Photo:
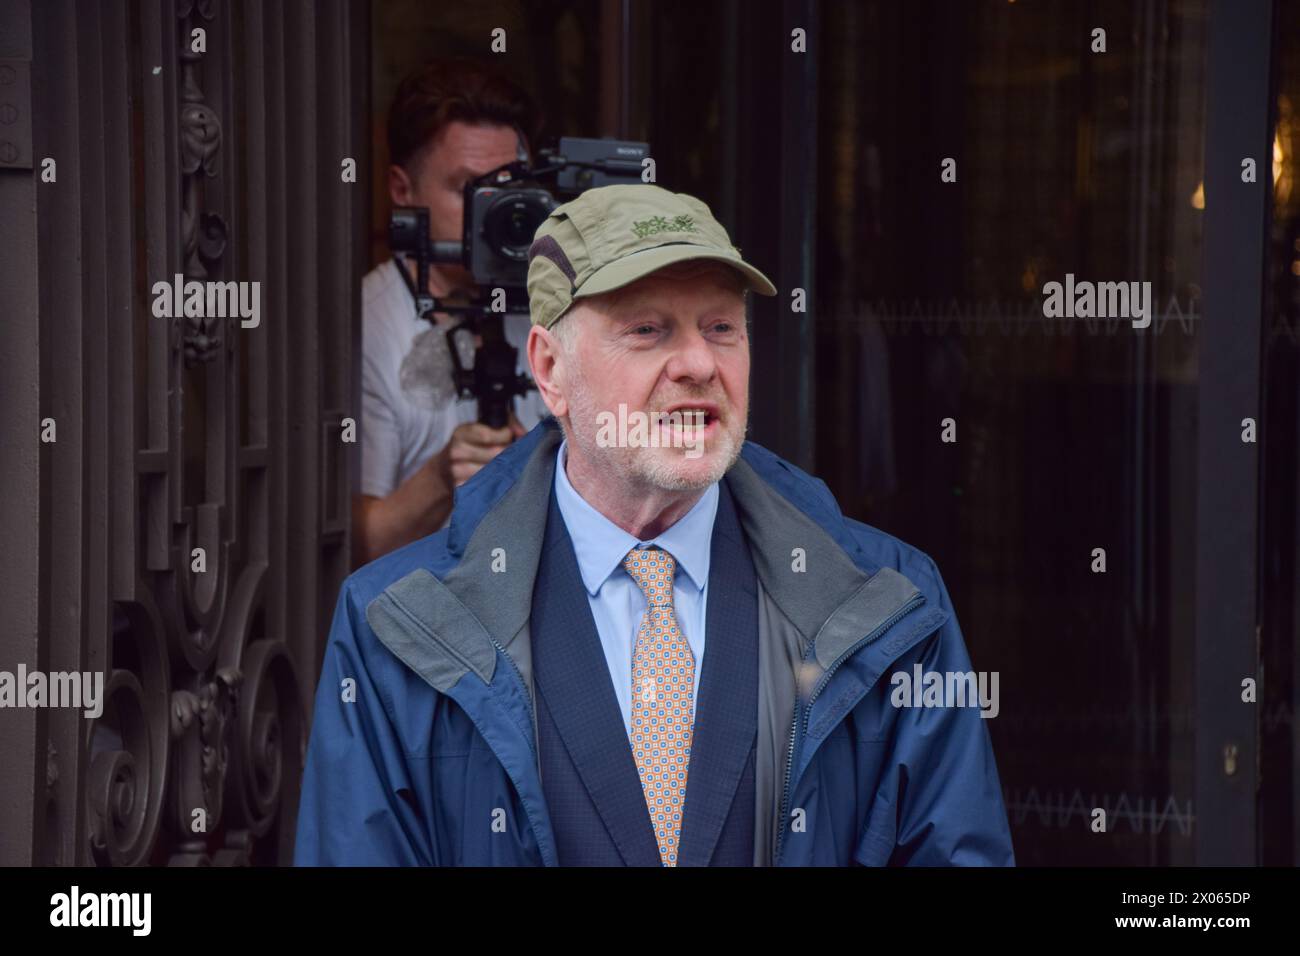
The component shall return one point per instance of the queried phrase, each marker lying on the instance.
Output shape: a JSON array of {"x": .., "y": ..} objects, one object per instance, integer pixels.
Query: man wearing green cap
[{"x": 643, "y": 640}]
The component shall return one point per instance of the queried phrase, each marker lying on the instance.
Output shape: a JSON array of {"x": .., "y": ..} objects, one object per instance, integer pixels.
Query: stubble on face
[{"x": 665, "y": 468}]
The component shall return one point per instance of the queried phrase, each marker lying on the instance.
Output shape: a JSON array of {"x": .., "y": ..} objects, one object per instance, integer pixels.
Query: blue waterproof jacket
[{"x": 423, "y": 751}]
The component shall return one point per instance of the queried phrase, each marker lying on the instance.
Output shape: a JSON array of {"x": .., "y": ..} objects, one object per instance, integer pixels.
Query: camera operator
[{"x": 450, "y": 122}]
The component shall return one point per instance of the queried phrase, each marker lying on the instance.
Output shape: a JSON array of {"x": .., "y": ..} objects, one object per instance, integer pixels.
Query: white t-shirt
[{"x": 402, "y": 423}]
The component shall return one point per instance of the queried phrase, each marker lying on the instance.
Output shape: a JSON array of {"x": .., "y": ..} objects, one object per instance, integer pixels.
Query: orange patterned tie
[{"x": 663, "y": 683}]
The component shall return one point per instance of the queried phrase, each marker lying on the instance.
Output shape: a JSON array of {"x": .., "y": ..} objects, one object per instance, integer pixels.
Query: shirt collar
[{"x": 601, "y": 545}]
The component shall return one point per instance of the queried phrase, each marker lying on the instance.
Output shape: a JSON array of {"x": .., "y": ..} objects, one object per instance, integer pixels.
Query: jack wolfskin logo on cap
[{"x": 648, "y": 227}]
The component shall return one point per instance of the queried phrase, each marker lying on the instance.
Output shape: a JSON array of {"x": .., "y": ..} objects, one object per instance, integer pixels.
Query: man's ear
[
  {"x": 544, "y": 355},
  {"x": 400, "y": 188}
]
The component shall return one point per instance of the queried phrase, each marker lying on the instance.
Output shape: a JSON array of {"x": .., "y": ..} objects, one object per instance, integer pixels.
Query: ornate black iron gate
[{"x": 175, "y": 489}]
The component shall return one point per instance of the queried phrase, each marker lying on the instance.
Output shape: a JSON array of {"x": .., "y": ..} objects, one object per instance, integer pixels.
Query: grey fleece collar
[{"x": 444, "y": 628}]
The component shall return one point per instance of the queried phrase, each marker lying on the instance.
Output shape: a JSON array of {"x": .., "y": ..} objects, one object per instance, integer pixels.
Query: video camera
[{"x": 503, "y": 209}]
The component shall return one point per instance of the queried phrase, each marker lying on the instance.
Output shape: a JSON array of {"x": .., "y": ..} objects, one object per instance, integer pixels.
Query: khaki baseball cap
[{"x": 611, "y": 236}]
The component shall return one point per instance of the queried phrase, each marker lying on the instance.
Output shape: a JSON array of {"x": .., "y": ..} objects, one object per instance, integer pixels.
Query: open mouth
[{"x": 690, "y": 416}]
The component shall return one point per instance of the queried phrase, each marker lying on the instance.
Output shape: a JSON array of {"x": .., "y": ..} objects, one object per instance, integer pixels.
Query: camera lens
[{"x": 509, "y": 225}]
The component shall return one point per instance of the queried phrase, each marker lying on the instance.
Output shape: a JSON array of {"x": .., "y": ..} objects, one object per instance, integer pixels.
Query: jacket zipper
[
  {"x": 889, "y": 622},
  {"x": 522, "y": 683},
  {"x": 532, "y": 746}
]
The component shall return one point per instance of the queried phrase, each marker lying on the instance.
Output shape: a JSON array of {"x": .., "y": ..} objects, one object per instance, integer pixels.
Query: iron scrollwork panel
[{"x": 202, "y": 735}]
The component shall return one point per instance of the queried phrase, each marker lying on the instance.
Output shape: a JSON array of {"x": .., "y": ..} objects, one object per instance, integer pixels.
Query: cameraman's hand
[
  {"x": 517, "y": 429},
  {"x": 474, "y": 444}
]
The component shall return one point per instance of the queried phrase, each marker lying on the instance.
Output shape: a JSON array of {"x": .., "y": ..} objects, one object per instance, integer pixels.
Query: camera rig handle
[
  {"x": 493, "y": 379},
  {"x": 572, "y": 175}
]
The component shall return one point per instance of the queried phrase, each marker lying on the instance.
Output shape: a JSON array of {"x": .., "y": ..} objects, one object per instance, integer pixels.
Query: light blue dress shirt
[{"x": 617, "y": 604}]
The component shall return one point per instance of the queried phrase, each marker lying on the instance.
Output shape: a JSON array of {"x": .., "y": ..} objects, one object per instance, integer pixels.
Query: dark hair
[{"x": 444, "y": 91}]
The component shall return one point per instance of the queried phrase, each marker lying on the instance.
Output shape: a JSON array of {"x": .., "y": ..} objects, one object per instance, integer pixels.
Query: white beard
[{"x": 663, "y": 468}]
